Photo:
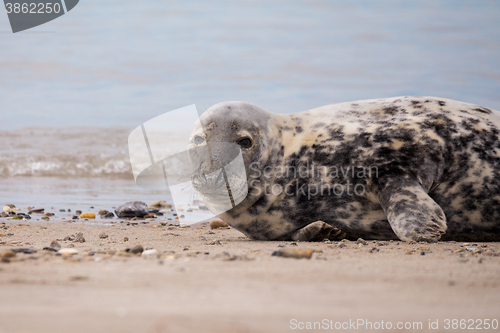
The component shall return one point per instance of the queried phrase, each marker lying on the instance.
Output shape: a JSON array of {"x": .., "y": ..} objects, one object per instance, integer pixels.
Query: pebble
[
  {"x": 79, "y": 238},
  {"x": 108, "y": 215},
  {"x": 160, "y": 204},
  {"x": 152, "y": 252},
  {"x": 132, "y": 209},
  {"x": 361, "y": 241},
  {"x": 125, "y": 239},
  {"x": 215, "y": 224},
  {"x": 88, "y": 215},
  {"x": 67, "y": 251},
  {"x": 78, "y": 212},
  {"x": 7, "y": 254},
  {"x": 103, "y": 212},
  {"x": 49, "y": 249},
  {"x": 24, "y": 250},
  {"x": 75, "y": 217},
  {"x": 38, "y": 211},
  {"x": 10, "y": 208},
  {"x": 103, "y": 235},
  {"x": 294, "y": 253},
  {"x": 136, "y": 249},
  {"x": 45, "y": 218}
]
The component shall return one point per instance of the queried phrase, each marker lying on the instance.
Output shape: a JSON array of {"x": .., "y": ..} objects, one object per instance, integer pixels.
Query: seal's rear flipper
[
  {"x": 317, "y": 232},
  {"x": 412, "y": 213}
]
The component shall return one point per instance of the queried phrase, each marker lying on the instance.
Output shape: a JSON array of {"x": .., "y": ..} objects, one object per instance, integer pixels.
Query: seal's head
[{"x": 222, "y": 133}]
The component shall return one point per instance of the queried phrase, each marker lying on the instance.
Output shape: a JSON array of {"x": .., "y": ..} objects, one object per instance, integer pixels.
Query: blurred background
[{"x": 72, "y": 89}]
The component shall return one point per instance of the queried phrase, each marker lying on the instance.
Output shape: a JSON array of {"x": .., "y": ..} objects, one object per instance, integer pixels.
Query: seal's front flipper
[
  {"x": 412, "y": 213},
  {"x": 317, "y": 232}
]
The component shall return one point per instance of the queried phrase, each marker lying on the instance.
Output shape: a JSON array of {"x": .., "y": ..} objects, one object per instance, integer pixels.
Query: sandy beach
[{"x": 204, "y": 280}]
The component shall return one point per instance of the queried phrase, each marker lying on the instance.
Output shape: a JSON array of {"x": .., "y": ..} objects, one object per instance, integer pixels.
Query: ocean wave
[{"x": 67, "y": 152}]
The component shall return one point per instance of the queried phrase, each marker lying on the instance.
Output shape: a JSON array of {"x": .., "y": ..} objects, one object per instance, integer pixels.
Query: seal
[{"x": 408, "y": 168}]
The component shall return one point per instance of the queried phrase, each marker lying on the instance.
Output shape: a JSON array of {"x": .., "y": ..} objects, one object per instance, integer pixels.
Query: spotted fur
[{"x": 434, "y": 165}]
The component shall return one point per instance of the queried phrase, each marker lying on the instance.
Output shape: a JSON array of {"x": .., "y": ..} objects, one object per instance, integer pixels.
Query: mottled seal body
[{"x": 413, "y": 168}]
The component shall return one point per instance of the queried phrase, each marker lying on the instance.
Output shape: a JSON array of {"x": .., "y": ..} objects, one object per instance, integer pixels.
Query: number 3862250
[{"x": 33, "y": 8}]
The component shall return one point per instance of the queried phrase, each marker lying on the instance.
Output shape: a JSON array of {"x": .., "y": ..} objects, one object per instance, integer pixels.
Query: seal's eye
[
  {"x": 198, "y": 140},
  {"x": 244, "y": 142}
]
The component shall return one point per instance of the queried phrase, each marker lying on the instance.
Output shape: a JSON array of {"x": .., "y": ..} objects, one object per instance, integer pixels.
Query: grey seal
[{"x": 408, "y": 168}]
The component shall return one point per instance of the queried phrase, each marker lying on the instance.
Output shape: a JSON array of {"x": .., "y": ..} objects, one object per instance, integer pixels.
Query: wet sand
[{"x": 220, "y": 281}]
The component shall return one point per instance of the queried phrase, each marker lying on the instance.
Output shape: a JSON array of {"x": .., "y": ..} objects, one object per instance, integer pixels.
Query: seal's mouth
[{"x": 208, "y": 183}]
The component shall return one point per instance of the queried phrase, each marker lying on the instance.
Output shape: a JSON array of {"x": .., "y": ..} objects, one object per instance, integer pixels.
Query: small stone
[
  {"x": 342, "y": 245},
  {"x": 49, "y": 214},
  {"x": 108, "y": 215},
  {"x": 422, "y": 253},
  {"x": 88, "y": 215},
  {"x": 38, "y": 211},
  {"x": 45, "y": 218},
  {"x": 294, "y": 253},
  {"x": 125, "y": 239},
  {"x": 75, "y": 217},
  {"x": 7, "y": 254},
  {"x": 147, "y": 253},
  {"x": 103, "y": 212},
  {"x": 78, "y": 212},
  {"x": 163, "y": 224},
  {"x": 69, "y": 238},
  {"x": 103, "y": 235},
  {"x": 361, "y": 241},
  {"x": 136, "y": 249},
  {"x": 62, "y": 210},
  {"x": 50, "y": 249},
  {"x": 55, "y": 245},
  {"x": 67, "y": 251},
  {"x": 160, "y": 204},
  {"x": 78, "y": 278},
  {"x": 215, "y": 224},
  {"x": 132, "y": 209},
  {"x": 79, "y": 238}
]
